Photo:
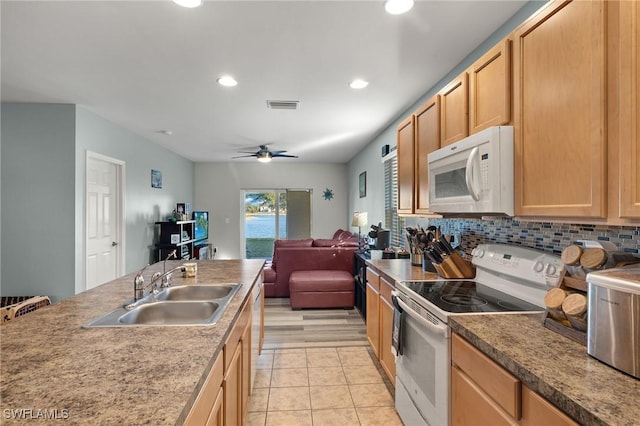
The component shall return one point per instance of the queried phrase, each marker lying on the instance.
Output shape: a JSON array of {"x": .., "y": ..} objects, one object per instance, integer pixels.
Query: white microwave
[{"x": 474, "y": 175}]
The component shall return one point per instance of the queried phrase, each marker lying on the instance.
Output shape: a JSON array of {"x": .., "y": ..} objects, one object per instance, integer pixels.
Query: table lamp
[{"x": 359, "y": 220}]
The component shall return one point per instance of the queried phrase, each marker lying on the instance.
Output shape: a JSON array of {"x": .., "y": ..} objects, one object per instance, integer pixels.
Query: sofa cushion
[
  {"x": 269, "y": 274},
  {"x": 341, "y": 234},
  {"x": 320, "y": 242},
  {"x": 288, "y": 243},
  {"x": 320, "y": 281}
]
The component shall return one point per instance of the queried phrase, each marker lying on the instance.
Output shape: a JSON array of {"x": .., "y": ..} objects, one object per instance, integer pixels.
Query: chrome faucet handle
[{"x": 166, "y": 281}]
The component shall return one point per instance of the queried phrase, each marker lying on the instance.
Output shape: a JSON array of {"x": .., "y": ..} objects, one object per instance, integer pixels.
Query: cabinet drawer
[
  {"x": 538, "y": 411},
  {"x": 386, "y": 288},
  {"x": 373, "y": 279},
  {"x": 501, "y": 386}
]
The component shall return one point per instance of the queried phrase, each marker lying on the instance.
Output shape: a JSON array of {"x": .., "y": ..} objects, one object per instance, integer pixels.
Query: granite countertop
[
  {"x": 401, "y": 270},
  {"x": 126, "y": 375},
  {"x": 555, "y": 367}
]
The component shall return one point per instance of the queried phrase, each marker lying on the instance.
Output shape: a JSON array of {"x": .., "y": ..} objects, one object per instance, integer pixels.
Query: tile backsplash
[{"x": 547, "y": 236}]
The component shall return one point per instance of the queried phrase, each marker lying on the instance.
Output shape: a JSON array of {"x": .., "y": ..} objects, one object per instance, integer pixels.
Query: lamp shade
[{"x": 359, "y": 219}]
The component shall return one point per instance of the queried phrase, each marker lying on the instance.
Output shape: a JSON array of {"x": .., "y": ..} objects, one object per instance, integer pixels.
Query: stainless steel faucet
[
  {"x": 138, "y": 282},
  {"x": 165, "y": 278}
]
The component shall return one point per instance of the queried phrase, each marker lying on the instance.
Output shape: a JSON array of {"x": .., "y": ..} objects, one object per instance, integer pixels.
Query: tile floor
[{"x": 320, "y": 386}]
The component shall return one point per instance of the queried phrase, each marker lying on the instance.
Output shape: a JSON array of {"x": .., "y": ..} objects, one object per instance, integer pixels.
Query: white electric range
[{"x": 509, "y": 279}]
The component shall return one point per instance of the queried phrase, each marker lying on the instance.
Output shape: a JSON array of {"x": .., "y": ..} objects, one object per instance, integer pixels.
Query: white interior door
[{"x": 103, "y": 220}]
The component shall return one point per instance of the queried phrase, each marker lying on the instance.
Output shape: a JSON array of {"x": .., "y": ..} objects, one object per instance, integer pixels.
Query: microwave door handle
[
  {"x": 440, "y": 330},
  {"x": 470, "y": 168}
]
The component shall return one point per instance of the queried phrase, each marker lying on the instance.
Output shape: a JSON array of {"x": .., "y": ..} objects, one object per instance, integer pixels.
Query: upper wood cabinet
[
  {"x": 624, "y": 112},
  {"x": 490, "y": 88},
  {"x": 454, "y": 110},
  {"x": 427, "y": 139},
  {"x": 560, "y": 111},
  {"x": 406, "y": 166}
]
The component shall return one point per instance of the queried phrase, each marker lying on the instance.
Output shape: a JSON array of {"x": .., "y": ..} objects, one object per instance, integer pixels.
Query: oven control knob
[
  {"x": 478, "y": 252},
  {"x": 551, "y": 269},
  {"x": 538, "y": 266}
]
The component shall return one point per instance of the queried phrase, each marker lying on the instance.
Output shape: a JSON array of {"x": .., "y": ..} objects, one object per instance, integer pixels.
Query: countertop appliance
[
  {"x": 474, "y": 175},
  {"x": 613, "y": 332},
  {"x": 509, "y": 279}
]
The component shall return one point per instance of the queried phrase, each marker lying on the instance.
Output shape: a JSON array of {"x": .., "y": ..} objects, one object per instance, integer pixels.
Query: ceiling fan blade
[
  {"x": 245, "y": 156},
  {"x": 285, "y": 155},
  {"x": 278, "y": 152}
]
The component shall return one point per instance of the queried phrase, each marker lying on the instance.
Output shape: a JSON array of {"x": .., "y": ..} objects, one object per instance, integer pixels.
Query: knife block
[{"x": 455, "y": 267}]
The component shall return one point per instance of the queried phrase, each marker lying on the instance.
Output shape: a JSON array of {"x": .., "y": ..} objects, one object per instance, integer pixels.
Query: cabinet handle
[{"x": 469, "y": 173}]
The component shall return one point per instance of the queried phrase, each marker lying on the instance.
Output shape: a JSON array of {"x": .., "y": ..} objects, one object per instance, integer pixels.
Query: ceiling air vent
[{"x": 283, "y": 104}]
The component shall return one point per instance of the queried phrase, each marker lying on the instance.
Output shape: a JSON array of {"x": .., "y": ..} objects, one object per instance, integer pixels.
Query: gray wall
[
  {"x": 218, "y": 187},
  {"x": 369, "y": 158},
  {"x": 38, "y": 193},
  {"x": 43, "y": 170}
]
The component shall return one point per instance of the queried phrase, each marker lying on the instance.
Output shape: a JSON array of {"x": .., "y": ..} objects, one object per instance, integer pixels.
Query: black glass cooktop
[{"x": 467, "y": 297}]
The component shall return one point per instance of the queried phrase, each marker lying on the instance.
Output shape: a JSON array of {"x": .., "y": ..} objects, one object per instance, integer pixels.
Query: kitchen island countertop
[{"x": 51, "y": 366}]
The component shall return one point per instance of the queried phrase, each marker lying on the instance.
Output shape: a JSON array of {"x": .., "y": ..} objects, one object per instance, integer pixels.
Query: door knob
[{"x": 113, "y": 244}]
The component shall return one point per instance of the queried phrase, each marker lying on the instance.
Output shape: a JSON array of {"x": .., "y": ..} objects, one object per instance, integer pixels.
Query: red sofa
[{"x": 310, "y": 255}]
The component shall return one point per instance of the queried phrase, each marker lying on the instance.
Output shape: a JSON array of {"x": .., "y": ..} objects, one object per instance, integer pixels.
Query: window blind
[{"x": 393, "y": 222}]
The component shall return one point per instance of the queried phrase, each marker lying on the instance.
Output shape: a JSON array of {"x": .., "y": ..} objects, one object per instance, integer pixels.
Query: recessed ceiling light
[
  {"x": 165, "y": 132},
  {"x": 188, "y": 3},
  {"x": 227, "y": 81},
  {"x": 358, "y": 84},
  {"x": 398, "y": 7}
]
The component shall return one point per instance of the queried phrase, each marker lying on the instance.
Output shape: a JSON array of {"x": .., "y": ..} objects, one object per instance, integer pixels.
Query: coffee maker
[{"x": 381, "y": 237}]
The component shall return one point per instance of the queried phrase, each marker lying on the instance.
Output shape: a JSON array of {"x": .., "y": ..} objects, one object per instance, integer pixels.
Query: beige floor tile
[
  {"x": 265, "y": 361},
  {"x": 335, "y": 417},
  {"x": 289, "y": 418},
  {"x": 362, "y": 374},
  {"x": 256, "y": 419},
  {"x": 323, "y": 359},
  {"x": 259, "y": 399},
  {"x": 326, "y": 376},
  {"x": 263, "y": 378},
  {"x": 297, "y": 351},
  {"x": 322, "y": 350},
  {"x": 371, "y": 395},
  {"x": 362, "y": 349},
  {"x": 378, "y": 416},
  {"x": 288, "y": 377},
  {"x": 290, "y": 360},
  {"x": 330, "y": 397},
  {"x": 352, "y": 358},
  {"x": 284, "y": 399}
]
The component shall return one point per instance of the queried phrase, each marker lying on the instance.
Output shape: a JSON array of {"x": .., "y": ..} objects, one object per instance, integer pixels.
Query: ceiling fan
[{"x": 264, "y": 155}]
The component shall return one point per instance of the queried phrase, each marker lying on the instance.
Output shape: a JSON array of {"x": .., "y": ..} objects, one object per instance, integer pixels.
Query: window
[{"x": 393, "y": 222}]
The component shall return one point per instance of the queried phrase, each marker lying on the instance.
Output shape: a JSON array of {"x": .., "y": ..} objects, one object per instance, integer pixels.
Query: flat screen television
[{"x": 201, "y": 231}]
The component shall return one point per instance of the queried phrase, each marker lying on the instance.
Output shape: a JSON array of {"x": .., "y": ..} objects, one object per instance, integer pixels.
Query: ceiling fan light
[
  {"x": 264, "y": 157},
  {"x": 358, "y": 84},
  {"x": 398, "y": 7},
  {"x": 188, "y": 3},
  {"x": 227, "y": 81}
]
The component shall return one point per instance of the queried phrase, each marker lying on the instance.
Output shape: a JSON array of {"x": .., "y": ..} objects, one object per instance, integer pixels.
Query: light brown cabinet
[
  {"x": 207, "y": 409},
  {"x": 373, "y": 310},
  {"x": 482, "y": 392},
  {"x": 490, "y": 88},
  {"x": 427, "y": 140},
  {"x": 454, "y": 111},
  {"x": 624, "y": 111},
  {"x": 406, "y": 166},
  {"x": 560, "y": 111},
  {"x": 380, "y": 321},
  {"x": 232, "y": 386}
]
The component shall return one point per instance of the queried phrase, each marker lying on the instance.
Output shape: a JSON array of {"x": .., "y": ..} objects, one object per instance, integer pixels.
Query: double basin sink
[{"x": 186, "y": 305}]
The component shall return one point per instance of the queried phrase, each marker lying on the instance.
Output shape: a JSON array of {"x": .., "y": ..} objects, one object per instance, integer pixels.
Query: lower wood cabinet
[
  {"x": 232, "y": 389},
  {"x": 482, "y": 392},
  {"x": 208, "y": 407},
  {"x": 380, "y": 321}
]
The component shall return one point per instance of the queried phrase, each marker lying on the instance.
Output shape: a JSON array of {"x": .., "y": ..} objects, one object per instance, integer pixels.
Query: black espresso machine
[{"x": 381, "y": 237}]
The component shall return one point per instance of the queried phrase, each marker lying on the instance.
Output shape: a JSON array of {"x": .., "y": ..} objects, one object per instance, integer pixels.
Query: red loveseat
[{"x": 322, "y": 271}]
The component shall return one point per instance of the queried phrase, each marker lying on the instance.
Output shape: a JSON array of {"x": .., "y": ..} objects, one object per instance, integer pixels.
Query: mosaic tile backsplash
[{"x": 547, "y": 236}]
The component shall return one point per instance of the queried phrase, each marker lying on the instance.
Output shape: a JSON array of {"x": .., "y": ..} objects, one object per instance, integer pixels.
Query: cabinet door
[
  {"x": 245, "y": 342},
  {"x": 538, "y": 411},
  {"x": 232, "y": 390},
  {"x": 560, "y": 111},
  {"x": 216, "y": 418},
  {"x": 387, "y": 360},
  {"x": 427, "y": 134},
  {"x": 373, "y": 324},
  {"x": 490, "y": 89},
  {"x": 454, "y": 109},
  {"x": 470, "y": 406},
  {"x": 406, "y": 166},
  {"x": 629, "y": 110},
  {"x": 207, "y": 398}
]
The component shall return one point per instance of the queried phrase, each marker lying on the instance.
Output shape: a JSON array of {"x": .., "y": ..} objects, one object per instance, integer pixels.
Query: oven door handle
[{"x": 441, "y": 329}]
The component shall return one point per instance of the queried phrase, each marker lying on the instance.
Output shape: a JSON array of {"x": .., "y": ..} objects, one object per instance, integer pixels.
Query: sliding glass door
[{"x": 266, "y": 219}]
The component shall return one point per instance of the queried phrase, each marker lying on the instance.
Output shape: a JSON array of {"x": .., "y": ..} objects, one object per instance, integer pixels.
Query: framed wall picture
[
  {"x": 363, "y": 184},
  {"x": 156, "y": 179}
]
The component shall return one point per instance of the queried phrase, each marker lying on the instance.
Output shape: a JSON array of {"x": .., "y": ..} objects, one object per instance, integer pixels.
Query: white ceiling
[{"x": 152, "y": 65}]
